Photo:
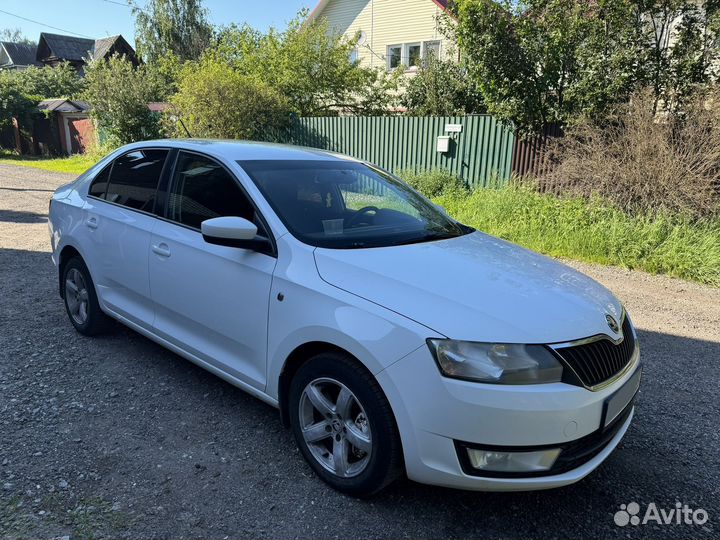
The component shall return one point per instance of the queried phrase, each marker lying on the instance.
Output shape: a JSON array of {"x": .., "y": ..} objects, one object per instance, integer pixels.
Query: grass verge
[
  {"x": 77, "y": 164},
  {"x": 593, "y": 231},
  {"x": 561, "y": 227}
]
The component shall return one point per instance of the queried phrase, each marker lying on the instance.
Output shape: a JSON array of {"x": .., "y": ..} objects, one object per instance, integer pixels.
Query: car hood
[{"x": 475, "y": 287}]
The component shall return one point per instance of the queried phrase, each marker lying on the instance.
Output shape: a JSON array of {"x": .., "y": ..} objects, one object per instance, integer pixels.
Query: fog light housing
[{"x": 512, "y": 462}]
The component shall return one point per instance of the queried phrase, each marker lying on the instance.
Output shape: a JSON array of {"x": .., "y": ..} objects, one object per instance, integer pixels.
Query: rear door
[
  {"x": 211, "y": 301},
  {"x": 119, "y": 217}
]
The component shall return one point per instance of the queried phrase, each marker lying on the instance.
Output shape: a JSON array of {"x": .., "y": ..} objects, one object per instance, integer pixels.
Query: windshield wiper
[{"x": 429, "y": 237}]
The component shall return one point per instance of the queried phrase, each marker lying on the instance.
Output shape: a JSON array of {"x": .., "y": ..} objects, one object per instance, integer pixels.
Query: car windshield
[{"x": 346, "y": 204}]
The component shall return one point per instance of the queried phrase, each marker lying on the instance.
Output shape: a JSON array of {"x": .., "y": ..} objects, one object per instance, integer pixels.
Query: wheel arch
[
  {"x": 301, "y": 354},
  {"x": 67, "y": 253}
]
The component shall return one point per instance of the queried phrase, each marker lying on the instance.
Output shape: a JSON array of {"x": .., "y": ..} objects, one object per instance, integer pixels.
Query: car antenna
[{"x": 185, "y": 128}]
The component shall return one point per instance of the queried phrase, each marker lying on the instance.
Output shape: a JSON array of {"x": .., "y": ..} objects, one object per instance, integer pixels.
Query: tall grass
[
  {"x": 593, "y": 231},
  {"x": 434, "y": 182}
]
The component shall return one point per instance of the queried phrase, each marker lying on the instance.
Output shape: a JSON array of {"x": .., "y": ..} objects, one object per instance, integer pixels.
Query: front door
[{"x": 211, "y": 301}]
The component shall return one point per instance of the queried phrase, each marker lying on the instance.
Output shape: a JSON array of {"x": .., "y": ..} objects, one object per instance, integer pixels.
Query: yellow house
[{"x": 394, "y": 34}]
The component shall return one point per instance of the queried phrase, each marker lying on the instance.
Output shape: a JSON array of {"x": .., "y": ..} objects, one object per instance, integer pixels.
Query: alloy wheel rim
[
  {"x": 76, "y": 296},
  {"x": 335, "y": 427}
]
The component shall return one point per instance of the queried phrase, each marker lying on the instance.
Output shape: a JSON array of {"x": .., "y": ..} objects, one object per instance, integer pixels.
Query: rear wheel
[
  {"x": 344, "y": 425},
  {"x": 81, "y": 302}
]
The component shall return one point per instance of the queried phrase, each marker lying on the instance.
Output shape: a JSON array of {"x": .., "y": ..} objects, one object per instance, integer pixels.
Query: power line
[
  {"x": 124, "y": 4},
  {"x": 128, "y": 4},
  {"x": 43, "y": 24}
]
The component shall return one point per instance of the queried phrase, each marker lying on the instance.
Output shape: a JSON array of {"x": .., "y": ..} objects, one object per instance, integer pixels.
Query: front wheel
[{"x": 344, "y": 425}]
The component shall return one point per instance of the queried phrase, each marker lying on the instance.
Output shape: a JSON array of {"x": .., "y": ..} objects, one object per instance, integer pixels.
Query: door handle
[
  {"x": 92, "y": 222},
  {"x": 161, "y": 249}
]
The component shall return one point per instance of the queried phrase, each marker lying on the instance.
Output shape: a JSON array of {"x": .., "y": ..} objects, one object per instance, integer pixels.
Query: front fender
[{"x": 305, "y": 309}]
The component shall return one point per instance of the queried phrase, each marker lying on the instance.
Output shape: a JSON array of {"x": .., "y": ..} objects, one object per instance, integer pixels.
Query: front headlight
[{"x": 498, "y": 363}]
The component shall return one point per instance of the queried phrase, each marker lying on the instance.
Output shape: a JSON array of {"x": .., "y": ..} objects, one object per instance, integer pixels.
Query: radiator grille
[{"x": 600, "y": 360}]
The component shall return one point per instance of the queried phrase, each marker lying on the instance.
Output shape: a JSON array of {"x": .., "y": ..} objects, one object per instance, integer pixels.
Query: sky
[{"x": 101, "y": 18}]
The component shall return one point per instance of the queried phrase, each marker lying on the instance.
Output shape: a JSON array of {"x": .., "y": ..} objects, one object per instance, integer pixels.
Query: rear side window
[
  {"x": 135, "y": 177},
  {"x": 100, "y": 183},
  {"x": 203, "y": 189}
]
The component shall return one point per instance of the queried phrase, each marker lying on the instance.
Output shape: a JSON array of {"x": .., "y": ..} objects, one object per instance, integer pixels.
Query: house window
[
  {"x": 354, "y": 56},
  {"x": 431, "y": 49},
  {"x": 394, "y": 56},
  {"x": 413, "y": 55}
]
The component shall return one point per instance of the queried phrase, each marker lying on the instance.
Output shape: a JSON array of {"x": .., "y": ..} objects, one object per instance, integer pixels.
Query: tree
[
  {"x": 214, "y": 100},
  {"x": 179, "y": 27},
  {"x": 522, "y": 55},
  {"x": 22, "y": 90},
  {"x": 14, "y": 101},
  {"x": 118, "y": 94},
  {"x": 51, "y": 82},
  {"x": 14, "y": 35},
  {"x": 442, "y": 88},
  {"x": 167, "y": 69},
  {"x": 683, "y": 49},
  {"x": 309, "y": 65},
  {"x": 543, "y": 61},
  {"x": 609, "y": 61}
]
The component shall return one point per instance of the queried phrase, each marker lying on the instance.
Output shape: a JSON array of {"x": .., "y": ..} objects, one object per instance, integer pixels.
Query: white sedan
[{"x": 393, "y": 339}]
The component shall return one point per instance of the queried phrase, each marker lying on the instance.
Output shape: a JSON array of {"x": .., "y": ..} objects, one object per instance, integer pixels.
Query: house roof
[
  {"x": 75, "y": 105},
  {"x": 64, "y": 47},
  {"x": 63, "y": 105},
  {"x": 20, "y": 54},
  {"x": 102, "y": 46},
  {"x": 442, "y": 4},
  {"x": 76, "y": 49}
]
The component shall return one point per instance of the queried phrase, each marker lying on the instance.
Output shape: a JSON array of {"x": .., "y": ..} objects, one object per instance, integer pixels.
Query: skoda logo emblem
[{"x": 612, "y": 323}]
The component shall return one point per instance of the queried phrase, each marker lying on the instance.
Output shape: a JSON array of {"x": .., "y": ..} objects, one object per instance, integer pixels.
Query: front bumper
[{"x": 439, "y": 417}]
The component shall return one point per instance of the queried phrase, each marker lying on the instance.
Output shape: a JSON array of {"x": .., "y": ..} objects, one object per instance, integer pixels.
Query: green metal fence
[{"x": 481, "y": 151}]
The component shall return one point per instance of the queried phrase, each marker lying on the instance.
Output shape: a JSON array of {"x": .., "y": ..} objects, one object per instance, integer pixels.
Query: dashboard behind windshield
[{"x": 345, "y": 204}]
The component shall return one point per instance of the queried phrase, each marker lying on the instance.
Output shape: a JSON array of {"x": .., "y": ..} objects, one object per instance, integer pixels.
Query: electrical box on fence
[{"x": 443, "y": 144}]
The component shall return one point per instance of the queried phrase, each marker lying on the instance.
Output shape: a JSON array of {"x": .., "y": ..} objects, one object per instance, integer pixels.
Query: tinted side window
[
  {"x": 100, "y": 183},
  {"x": 134, "y": 179},
  {"x": 202, "y": 189}
]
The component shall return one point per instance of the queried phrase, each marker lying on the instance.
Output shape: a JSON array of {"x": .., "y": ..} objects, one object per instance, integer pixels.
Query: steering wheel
[{"x": 360, "y": 213}]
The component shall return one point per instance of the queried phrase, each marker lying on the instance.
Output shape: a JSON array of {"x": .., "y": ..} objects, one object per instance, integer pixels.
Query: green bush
[
  {"x": 442, "y": 88},
  {"x": 119, "y": 94},
  {"x": 216, "y": 101},
  {"x": 593, "y": 231},
  {"x": 14, "y": 102},
  {"x": 307, "y": 63},
  {"x": 51, "y": 82},
  {"x": 99, "y": 149},
  {"x": 434, "y": 183}
]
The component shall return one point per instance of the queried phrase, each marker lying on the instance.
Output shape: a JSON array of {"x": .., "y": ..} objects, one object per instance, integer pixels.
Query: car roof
[{"x": 244, "y": 150}]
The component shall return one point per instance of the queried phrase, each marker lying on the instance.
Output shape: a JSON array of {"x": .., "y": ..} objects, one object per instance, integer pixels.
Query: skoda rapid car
[{"x": 393, "y": 339}]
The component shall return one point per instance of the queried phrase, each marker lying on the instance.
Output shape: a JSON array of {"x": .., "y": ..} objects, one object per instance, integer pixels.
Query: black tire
[
  {"x": 383, "y": 464},
  {"x": 95, "y": 321}
]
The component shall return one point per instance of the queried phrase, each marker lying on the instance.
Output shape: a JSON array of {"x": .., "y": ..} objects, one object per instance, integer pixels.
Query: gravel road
[{"x": 117, "y": 437}]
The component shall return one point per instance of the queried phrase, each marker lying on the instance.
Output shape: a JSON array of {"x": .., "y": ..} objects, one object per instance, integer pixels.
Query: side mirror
[
  {"x": 234, "y": 232},
  {"x": 228, "y": 228},
  {"x": 441, "y": 208}
]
